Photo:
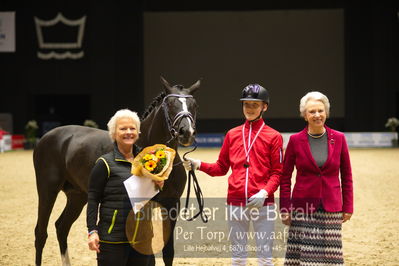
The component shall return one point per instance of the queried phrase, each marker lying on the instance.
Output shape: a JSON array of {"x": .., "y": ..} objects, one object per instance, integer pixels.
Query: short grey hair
[
  {"x": 123, "y": 113},
  {"x": 314, "y": 95}
]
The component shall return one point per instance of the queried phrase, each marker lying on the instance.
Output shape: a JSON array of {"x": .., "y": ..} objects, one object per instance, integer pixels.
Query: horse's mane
[{"x": 153, "y": 104}]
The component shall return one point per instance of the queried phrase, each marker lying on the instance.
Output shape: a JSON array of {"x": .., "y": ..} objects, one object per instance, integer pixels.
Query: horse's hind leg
[
  {"x": 75, "y": 203},
  {"x": 47, "y": 196}
]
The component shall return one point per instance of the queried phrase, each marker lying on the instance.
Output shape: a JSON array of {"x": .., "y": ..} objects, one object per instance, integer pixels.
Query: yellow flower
[
  {"x": 160, "y": 154},
  {"x": 150, "y": 165},
  {"x": 147, "y": 157}
]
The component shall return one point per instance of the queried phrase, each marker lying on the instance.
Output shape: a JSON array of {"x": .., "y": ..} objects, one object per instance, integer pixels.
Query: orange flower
[{"x": 150, "y": 165}]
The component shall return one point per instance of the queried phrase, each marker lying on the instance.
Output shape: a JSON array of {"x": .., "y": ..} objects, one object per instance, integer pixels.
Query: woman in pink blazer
[{"x": 322, "y": 198}]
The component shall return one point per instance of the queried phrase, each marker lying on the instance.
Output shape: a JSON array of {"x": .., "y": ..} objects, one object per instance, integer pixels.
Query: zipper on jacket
[{"x": 112, "y": 222}]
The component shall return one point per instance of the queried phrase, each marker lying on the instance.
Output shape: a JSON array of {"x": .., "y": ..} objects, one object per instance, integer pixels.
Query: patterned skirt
[{"x": 315, "y": 239}]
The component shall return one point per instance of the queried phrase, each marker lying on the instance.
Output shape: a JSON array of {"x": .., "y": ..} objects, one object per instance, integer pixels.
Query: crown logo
[{"x": 60, "y": 38}]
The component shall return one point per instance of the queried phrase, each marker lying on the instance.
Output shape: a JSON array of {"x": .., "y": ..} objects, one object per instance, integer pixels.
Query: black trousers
[{"x": 121, "y": 255}]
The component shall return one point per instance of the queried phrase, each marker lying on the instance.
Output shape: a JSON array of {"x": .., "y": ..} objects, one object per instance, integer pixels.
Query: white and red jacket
[{"x": 255, "y": 166}]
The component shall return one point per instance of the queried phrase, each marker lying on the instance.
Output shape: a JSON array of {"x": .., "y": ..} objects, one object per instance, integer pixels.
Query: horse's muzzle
[{"x": 186, "y": 137}]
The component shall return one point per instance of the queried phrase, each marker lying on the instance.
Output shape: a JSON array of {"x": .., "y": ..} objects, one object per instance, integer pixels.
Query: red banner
[{"x": 17, "y": 142}]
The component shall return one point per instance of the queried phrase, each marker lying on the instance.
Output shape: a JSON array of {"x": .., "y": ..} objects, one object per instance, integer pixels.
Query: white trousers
[{"x": 263, "y": 223}]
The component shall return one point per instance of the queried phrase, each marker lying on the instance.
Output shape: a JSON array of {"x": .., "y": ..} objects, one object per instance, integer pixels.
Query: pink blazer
[{"x": 331, "y": 185}]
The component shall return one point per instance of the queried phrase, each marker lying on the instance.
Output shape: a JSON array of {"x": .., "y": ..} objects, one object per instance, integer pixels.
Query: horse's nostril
[{"x": 181, "y": 131}]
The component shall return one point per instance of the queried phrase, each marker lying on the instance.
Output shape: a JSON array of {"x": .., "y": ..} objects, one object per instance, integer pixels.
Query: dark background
[
  {"x": 288, "y": 51},
  {"x": 111, "y": 75}
]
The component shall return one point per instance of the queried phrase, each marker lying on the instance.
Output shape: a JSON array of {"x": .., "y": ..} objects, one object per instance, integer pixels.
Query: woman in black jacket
[{"x": 108, "y": 202}]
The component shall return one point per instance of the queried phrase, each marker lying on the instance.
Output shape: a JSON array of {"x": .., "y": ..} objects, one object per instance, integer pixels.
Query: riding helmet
[{"x": 255, "y": 92}]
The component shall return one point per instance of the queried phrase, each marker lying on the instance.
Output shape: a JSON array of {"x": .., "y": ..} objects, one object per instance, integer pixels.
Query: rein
[
  {"x": 191, "y": 174},
  {"x": 197, "y": 191}
]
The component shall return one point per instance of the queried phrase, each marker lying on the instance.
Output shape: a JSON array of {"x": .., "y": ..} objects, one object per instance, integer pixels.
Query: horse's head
[{"x": 181, "y": 111}]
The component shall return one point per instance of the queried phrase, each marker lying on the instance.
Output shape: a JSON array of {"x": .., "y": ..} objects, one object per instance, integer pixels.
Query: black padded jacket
[{"x": 108, "y": 198}]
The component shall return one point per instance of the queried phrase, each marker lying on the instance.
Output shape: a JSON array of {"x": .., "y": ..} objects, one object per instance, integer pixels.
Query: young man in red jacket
[{"x": 253, "y": 151}]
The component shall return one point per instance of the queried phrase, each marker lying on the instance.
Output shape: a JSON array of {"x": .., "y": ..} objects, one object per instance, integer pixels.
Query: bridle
[
  {"x": 172, "y": 125},
  {"x": 175, "y": 122}
]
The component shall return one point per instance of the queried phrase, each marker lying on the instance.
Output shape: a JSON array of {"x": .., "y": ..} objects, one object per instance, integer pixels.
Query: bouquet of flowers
[{"x": 155, "y": 162}]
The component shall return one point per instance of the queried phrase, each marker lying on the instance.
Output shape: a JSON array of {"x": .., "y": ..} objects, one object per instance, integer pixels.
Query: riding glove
[
  {"x": 190, "y": 164},
  {"x": 258, "y": 199}
]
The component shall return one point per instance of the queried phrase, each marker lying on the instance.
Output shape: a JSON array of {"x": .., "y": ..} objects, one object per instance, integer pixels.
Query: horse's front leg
[{"x": 168, "y": 252}]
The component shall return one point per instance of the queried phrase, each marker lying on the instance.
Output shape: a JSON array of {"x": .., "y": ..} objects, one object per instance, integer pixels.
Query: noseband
[{"x": 173, "y": 123}]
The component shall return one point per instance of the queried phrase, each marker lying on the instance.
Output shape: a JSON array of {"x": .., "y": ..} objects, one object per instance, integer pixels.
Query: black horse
[{"x": 63, "y": 159}]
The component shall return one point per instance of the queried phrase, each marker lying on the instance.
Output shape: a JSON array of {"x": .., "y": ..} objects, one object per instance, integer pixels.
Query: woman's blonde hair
[
  {"x": 123, "y": 113},
  {"x": 314, "y": 95}
]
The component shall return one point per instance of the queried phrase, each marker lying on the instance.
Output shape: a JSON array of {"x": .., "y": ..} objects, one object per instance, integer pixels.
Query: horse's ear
[
  {"x": 195, "y": 86},
  {"x": 166, "y": 85}
]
